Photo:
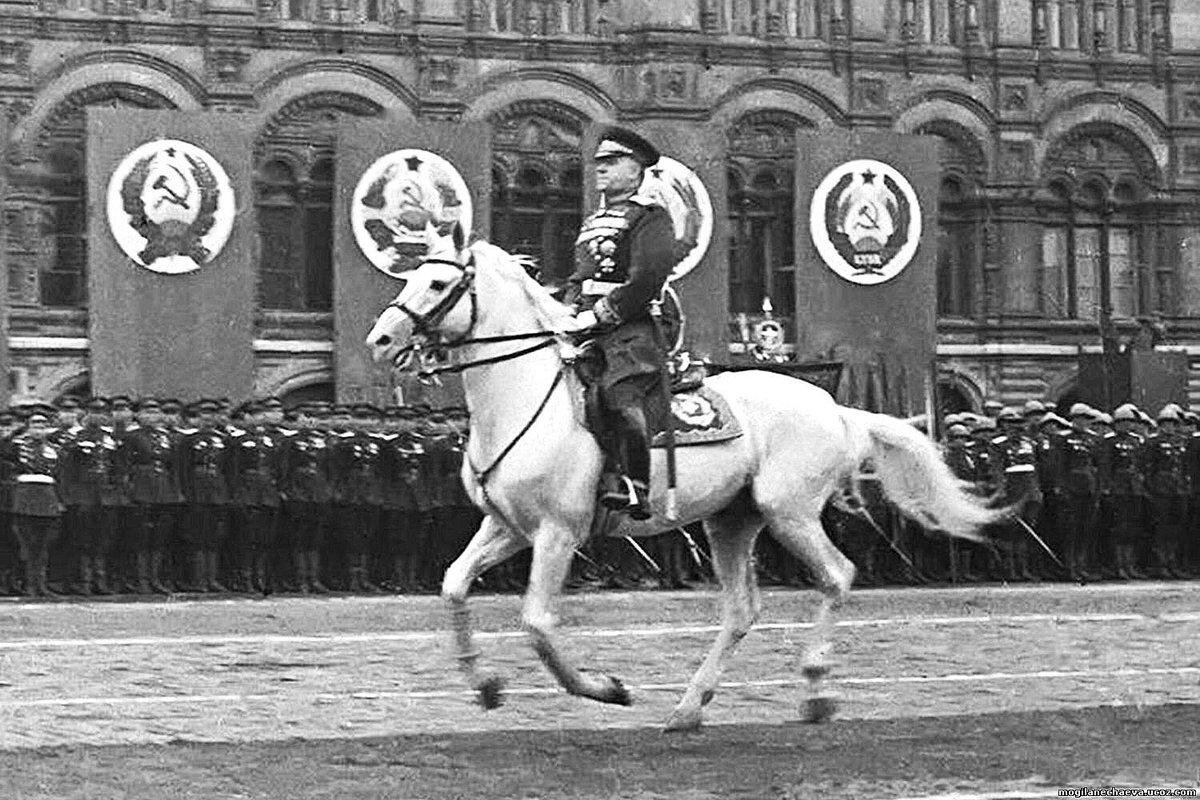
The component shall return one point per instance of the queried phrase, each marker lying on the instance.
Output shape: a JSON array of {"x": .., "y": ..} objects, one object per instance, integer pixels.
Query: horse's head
[{"x": 437, "y": 303}]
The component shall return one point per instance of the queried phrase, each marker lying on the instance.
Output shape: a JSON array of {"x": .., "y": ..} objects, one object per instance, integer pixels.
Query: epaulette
[
  {"x": 131, "y": 427},
  {"x": 187, "y": 431},
  {"x": 232, "y": 431}
]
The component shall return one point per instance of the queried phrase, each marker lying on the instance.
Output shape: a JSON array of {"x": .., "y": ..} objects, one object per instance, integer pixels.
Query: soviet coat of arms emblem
[
  {"x": 399, "y": 199},
  {"x": 865, "y": 221},
  {"x": 170, "y": 206}
]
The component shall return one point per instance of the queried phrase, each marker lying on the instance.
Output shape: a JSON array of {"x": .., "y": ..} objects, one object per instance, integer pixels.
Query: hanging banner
[{"x": 172, "y": 283}]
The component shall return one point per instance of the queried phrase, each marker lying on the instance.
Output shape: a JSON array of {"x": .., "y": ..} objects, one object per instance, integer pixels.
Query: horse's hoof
[
  {"x": 618, "y": 695},
  {"x": 819, "y": 709},
  {"x": 491, "y": 692},
  {"x": 683, "y": 721}
]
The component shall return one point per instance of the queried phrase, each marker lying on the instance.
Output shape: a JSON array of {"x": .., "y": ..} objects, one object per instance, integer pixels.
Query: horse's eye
[{"x": 437, "y": 286}]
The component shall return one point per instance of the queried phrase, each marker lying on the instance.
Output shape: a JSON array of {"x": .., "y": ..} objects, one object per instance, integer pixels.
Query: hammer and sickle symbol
[{"x": 171, "y": 196}]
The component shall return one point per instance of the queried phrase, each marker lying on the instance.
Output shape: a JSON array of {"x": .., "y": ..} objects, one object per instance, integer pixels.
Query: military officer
[
  {"x": 1123, "y": 487},
  {"x": 307, "y": 494},
  {"x": 257, "y": 475},
  {"x": 35, "y": 504},
  {"x": 207, "y": 462},
  {"x": 624, "y": 255},
  {"x": 153, "y": 457},
  {"x": 93, "y": 468},
  {"x": 9, "y": 558},
  {"x": 402, "y": 490},
  {"x": 1167, "y": 485},
  {"x": 1075, "y": 481},
  {"x": 356, "y": 475},
  {"x": 1019, "y": 489}
]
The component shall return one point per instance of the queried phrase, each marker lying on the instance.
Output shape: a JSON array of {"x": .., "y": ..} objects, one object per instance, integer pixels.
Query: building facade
[{"x": 1069, "y": 136}]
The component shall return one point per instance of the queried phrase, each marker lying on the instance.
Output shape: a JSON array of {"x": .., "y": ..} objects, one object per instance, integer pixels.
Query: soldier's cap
[
  {"x": 994, "y": 405},
  {"x": 365, "y": 410},
  {"x": 1169, "y": 412},
  {"x": 1050, "y": 418},
  {"x": 616, "y": 142},
  {"x": 408, "y": 412},
  {"x": 1191, "y": 416},
  {"x": 1034, "y": 407},
  {"x": 37, "y": 414},
  {"x": 150, "y": 404},
  {"x": 1010, "y": 414},
  {"x": 1126, "y": 412},
  {"x": 1081, "y": 410},
  {"x": 98, "y": 404},
  {"x": 985, "y": 424},
  {"x": 170, "y": 405},
  {"x": 952, "y": 419},
  {"x": 1104, "y": 418},
  {"x": 205, "y": 405},
  {"x": 120, "y": 401},
  {"x": 67, "y": 402},
  {"x": 1144, "y": 417},
  {"x": 270, "y": 404},
  {"x": 958, "y": 431}
]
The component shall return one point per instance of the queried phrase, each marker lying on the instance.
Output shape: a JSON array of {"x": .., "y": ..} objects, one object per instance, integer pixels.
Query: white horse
[{"x": 533, "y": 468}]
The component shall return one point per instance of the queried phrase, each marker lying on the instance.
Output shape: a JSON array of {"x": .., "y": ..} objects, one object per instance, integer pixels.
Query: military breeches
[
  {"x": 97, "y": 527},
  {"x": 207, "y": 526},
  {"x": 404, "y": 532},
  {"x": 1078, "y": 524},
  {"x": 1170, "y": 519},
  {"x": 153, "y": 526},
  {"x": 257, "y": 527},
  {"x": 307, "y": 525},
  {"x": 357, "y": 527},
  {"x": 34, "y": 537},
  {"x": 1126, "y": 519},
  {"x": 627, "y": 408}
]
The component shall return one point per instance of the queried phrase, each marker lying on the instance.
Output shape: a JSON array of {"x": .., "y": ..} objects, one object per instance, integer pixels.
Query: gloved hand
[{"x": 581, "y": 321}]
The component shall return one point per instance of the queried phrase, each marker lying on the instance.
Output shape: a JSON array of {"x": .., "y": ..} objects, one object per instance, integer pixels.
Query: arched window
[
  {"x": 62, "y": 147},
  {"x": 294, "y": 180},
  {"x": 1100, "y": 230},
  {"x": 537, "y": 186},
  {"x": 960, "y": 218},
  {"x": 762, "y": 193}
]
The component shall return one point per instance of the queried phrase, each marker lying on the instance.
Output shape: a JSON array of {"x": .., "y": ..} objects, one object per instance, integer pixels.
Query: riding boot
[
  {"x": 100, "y": 576},
  {"x": 30, "y": 589},
  {"x": 314, "y": 573},
  {"x": 199, "y": 572},
  {"x": 143, "y": 573},
  {"x": 40, "y": 581},
  {"x": 156, "y": 579},
  {"x": 210, "y": 573},
  {"x": 85, "y": 575},
  {"x": 300, "y": 563},
  {"x": 364, "y": 576}
]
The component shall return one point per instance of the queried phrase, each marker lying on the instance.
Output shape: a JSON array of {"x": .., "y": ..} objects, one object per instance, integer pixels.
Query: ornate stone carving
[
  {"x": 439, "y": 74},
  {"x": 1189, "y": 105},
  {"x": 871, "y": 93},
  {"x": 1190, "y": 159},
  {"x": 226, "y": 65},
  {"x": 1014, "y": 97},
  {"x": 14, "y": 55},
  {"x": 1015, "y": 158},
  {"x": 676, "y": 84}
]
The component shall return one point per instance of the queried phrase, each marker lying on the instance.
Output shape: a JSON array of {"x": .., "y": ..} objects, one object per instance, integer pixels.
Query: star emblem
[
  {"x": 413, "y": 162},
  {"x": 869, "y": 176}
]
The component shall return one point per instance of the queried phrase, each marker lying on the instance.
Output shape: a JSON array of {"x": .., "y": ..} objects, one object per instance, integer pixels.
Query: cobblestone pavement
[{"x": 268, "y": 670}]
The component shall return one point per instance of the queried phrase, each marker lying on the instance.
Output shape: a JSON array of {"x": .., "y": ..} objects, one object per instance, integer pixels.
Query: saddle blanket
[{"x": 701, "y": 416}]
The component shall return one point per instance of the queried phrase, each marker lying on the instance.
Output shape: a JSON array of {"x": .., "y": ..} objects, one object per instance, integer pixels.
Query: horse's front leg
[
  {"x": 490, "y": 545},
  {"x": 553, "y": 549}
]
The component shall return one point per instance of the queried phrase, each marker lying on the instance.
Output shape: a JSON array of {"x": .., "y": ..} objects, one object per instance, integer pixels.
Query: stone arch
[
  {"x": 565, "y": 90},
  {"x": 962, "y": 382},
  {"x": 341, "y": 81},
  {"x": 308, "y": 119},
  {"x": 63, "y": 379},
  {"x": 1113, "y": 109},
  {"x": 1099, "y": 150},
  {"x": 952, "y": 116},
  {"x": 289, "y": 380},
  {"x": 784, "y": 95}
]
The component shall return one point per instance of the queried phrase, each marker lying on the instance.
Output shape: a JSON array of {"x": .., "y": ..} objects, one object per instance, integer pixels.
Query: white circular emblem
[
  {"x": 398, "y": 199},
  {"x": 681, "y": 192},
  {"x": 170, "y": 206},
  {"x": 693, "y": 409},
  {"x": 865, "y": 221}
]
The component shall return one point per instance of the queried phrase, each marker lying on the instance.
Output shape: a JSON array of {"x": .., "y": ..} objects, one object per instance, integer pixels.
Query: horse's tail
[{"x": 914, "y": 476}]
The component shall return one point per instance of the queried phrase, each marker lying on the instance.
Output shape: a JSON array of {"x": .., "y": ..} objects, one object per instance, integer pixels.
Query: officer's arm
[{"x": 651, "y": 258}]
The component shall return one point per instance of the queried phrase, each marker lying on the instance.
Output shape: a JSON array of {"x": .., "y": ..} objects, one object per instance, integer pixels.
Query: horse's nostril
[{"x": 383, "y": 341}]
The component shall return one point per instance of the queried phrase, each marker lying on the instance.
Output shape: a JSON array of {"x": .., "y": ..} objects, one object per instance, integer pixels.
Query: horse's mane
[{"x": 512, "y": 267}]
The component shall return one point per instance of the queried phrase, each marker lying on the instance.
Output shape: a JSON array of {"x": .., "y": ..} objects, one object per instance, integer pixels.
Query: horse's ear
[{"x": 458, "y": 236}]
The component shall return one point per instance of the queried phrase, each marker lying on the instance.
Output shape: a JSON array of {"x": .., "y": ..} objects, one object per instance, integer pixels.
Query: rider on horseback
[{"x": 623, "y": 257}]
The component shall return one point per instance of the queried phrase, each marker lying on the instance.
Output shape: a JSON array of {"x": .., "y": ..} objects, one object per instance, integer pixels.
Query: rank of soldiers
[{"x": 110, "y": 495}]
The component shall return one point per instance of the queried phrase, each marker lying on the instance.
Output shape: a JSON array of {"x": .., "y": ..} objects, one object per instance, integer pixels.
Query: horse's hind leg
[
  {"x": 490, "y": 545},
  {"x": 800, "y": 531},
  {"x": 732, "y": 539}
]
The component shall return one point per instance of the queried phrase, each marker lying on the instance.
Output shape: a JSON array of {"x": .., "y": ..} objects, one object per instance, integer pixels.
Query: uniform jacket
[
  {"x": 306, "y": 468},
  {"x": 630, "y": 243},
  {"x": 207, "y": 462},
  {"x": 257, "y": 467},
  {"x": 1017, "y": 454},
  {"x": 1166, "y": 468},
  {"x": 94, "y": 471},
  {"x": 1122, "y": 472},
  {"x": 36, "y": 457},
  {"x": 154, "y": 458},
  {"x": 402, "y": 478},
  {"x": 355, "y": 468},
  {"x": 1073, "y": 463}
]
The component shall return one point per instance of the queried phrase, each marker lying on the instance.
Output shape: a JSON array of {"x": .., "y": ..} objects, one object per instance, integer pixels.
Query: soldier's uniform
[
  {"x": 624, "y": 255},
  {"x": 1167, "y": 485},
  {"x": 356, "y": 474},
  {"x": 35, "y": 504},
  {"x": 9, "y": 558},
  {"x": 307, "y": 496},
  {"x": 64, "y": 554},
  {"x": 1020, "y": 489},
  {"x": 207, "y": 468},
  {"x": 153, "y": 456},
  {"x": 94, "y": 469},
  {"x": 257, "y": 476},
  {"x": 1190, "y": 553},
  {"x": 1076, "y": 485},
  {"x": 405, "y": 496},
  {"x": 1123, "y": 485}
]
